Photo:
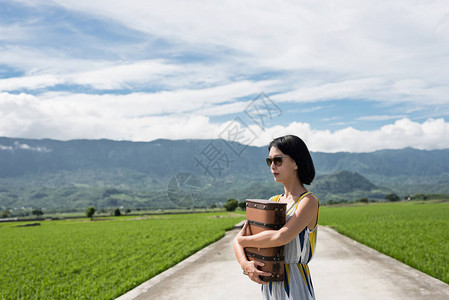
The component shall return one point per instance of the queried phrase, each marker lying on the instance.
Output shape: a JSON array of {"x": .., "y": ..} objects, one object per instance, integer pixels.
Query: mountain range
[{"x": 164, "y": 173}]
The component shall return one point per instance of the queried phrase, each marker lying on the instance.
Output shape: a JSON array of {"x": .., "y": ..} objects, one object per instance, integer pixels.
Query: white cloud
[
  {"x": 381, "y": 90},
  {"x": 293, "y": 51},
  {"x": 381, "y": 117},
  {"x": 45, "y": 61},
  {"x": 27, "y": 116},
  {"x": 43, "y": 70},
  {"x": 402, "y": 133},
  {"x": 353, "y": 37},
  {"x": 99, "y": 75},
  {"x": 119, "y": 75},
  {"x": 68, "y": 116},
  {"x": 13, "y": 33},
  {"x": 9, "y": 148},
  {"x": 20, "y": 146},
  {"x": 29, "y": 82},
  {"x": 217, "y": 100},
  {"x": 356, "y": 88},
  {"x": 351, "y": 50}
]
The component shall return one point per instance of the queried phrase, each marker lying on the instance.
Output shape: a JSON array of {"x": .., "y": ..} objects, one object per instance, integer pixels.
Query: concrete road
[
  {"x": 340, "y": 269},
  {"x": 346, "y": 269}
]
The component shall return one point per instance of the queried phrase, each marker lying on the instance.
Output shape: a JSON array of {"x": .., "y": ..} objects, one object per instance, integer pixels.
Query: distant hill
[
  {"x": 76, "y": 173},
  {"x": 346, "y": 185},
  {"x": 167, "y": 157},
  {"x": 387, "y": 163},
  {"x": 342, "y": 182},
  {"x": 160, "y": 157}
]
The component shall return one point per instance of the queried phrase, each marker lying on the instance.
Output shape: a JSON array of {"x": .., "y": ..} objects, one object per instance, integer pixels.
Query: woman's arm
[
  {"x": 306, "y": 212},
  {"x": 248, "y": 267}
]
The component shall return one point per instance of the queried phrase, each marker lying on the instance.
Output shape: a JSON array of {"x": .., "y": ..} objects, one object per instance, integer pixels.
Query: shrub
[
  {"x": 231, "y": 205},
  {"x": 90, "y": 212},
  {"x": 37, "y": 212},
  {"x": 5, "y": 213},
  {"x": 392, "y": 197},
  {"x": 117, "y": 212},
  {"x": 242, "y": 205}
]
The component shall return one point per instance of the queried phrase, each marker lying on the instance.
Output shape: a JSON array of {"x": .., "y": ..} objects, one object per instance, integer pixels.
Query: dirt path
[{"x": 340, "y": 269}]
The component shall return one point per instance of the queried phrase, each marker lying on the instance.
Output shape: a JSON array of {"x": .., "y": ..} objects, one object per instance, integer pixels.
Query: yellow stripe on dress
[
  {"x": 295, "y": 206},
  {"x": 306, "y": 267},
  {"x": 312, "y": 238},
  {"x": 302, "y": 273},
  {"x": 306, "y": 276},
  {"x": 275, "y": 198}
]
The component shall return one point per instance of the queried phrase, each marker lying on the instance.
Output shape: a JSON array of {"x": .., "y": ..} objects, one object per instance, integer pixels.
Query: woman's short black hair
[{"x": 294, "y": 147}]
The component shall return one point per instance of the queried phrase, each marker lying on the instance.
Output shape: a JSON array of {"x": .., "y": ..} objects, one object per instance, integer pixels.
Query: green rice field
[
  {"x": 416, "y": 233},
  {"x": 102, "y": 259}
]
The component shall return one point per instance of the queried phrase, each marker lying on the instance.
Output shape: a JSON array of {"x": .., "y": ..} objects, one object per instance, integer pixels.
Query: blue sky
[{"x": 357, "y": 76}]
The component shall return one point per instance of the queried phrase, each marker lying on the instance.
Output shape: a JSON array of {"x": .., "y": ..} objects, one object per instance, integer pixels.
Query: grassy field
[
  {"x": 82, "y": 259},
  {"x": 416, "y": 233}
]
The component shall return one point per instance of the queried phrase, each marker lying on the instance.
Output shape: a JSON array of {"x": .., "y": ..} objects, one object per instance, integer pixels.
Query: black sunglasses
[{"x": 277, "y": 161}]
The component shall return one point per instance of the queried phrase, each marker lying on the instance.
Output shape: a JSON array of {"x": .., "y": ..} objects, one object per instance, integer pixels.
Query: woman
[{"x": 291, "y": 164}]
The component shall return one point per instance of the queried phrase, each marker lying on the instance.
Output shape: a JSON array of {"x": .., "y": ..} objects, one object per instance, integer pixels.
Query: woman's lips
[{"x": 275, "y": 174}]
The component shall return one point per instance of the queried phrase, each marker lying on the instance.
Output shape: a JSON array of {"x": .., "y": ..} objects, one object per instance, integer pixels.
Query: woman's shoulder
[{"x": 311, "y": 195}]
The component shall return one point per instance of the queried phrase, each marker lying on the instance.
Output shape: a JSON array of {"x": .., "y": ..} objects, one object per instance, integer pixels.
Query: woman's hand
[{"x": 250, "y": 267}]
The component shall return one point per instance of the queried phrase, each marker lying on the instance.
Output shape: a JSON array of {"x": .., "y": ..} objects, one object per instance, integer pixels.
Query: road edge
[{"x": 145, "y": 286}]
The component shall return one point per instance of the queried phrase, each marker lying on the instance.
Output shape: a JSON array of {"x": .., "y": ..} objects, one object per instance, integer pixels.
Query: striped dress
[{"x": 298, "y": 252}]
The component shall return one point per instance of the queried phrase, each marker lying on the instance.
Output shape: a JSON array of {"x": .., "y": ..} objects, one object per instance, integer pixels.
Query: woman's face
[{"x": 288, "y": 168}]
